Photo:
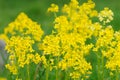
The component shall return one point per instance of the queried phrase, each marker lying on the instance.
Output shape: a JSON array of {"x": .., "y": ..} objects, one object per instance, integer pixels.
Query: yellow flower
[
  {"x": 75, "y": 75},
  {"x": 3, "y": 37},
  {"x": 53, "y": 8},
  {"x": 24, "y": 26},
  {"x": 23, "y": 33},
  {"x": 13, "y": 69},
  {"x": 44, "y": 61},
  {"x": 36, "y": 58},
  {"x": 106, "y": 15},
  {"x": 1, "y": 78}
]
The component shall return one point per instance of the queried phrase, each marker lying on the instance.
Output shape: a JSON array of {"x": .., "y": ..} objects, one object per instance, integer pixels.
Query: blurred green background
[{"x": 36, "y": 10}]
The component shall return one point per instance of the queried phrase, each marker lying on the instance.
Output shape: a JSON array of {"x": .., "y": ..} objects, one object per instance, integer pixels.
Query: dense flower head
[
  {"x": 3, "y": 37},
  {"x": 107, "y": 44},
  {"x": 106, "y": 15},
  {"x": 67, "y": 42},
  {"x": 12, "y": 69},
  {"x": 113, "y": 62},
  {"x": 21, "y": 52},
  {"x": 104, "y": 38},
  {"x": 19, "y": 45},
  {"x": 51, "y": 45},
  {"x": 24, "y": 26},
  {"x": 22, "y": 35}
]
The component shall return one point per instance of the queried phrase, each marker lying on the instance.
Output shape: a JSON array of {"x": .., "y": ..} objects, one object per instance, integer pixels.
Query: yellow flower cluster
[
  {"x": 53, "y": 8},
  {"x": 72, "y": 30},
  {"x": 104, "y": 38},
  {"x": 107, "y": 44},
  {"x": 105, "y": 15},
  {"x": 113, "y": 50},
  {"x": 3, "y": 37},
  {"x": 23, "y": 33},
  {"x": 67, "y": 43},
  {"x": 24, "y": 26},
  {"x": 20, "y": 50}
]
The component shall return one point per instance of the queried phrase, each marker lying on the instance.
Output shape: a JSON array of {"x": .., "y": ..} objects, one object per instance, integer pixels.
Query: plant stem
[
  {"x": 102, "y": 67},
  {"x": 36, "y": 71},
  {"x": 117, "y": 74},
  {"x": 55, "y": 15},
  {"x": 47, "y": 73},
  {"x": 66, "y": 75},
  {"x": 57, "y": 73},
  {"x": 98, "y": 67},
  {"x": 28, "y": 72}
]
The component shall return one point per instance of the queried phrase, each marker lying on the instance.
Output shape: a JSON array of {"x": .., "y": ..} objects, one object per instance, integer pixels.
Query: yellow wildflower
[
  {"x": 53, "y": 8},
  {"x": 36, "y": 58},
  {"x": 106, "y": 15},
  {"x": 24, "y": 26},
  {"x": 13, "y": 69}
]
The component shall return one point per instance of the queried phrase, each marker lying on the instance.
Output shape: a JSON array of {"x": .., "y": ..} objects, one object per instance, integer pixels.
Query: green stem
[
  {"x": 47, "y": 73},
  {"x": 98, "y": 67},
  {"x": 57, "y": 73},
  {"x": 66, "y": 75},
  {"x": 37, "y": 69},
  {"x": 102, "y": 67},
  {"x": 28, "y": 72},
  {"x": 117, "y": 74},
  {"x": 55, "y": 15}
]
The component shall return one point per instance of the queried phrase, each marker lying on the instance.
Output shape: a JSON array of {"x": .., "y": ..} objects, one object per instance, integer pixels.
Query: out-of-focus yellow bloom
[
  {"x": 3, "y": 37},
  {"x": 75, "y": 75},
  {"x": 93, "y": 13},
  {"x": 44, "y": 61},
  {"x": 2, "y": 78},
  {"x": 18, "y": 79},
  {"x": 106, "y": 15},
  {"x": 37, "y": 58},
  {"x": 12, "y": 69},
  {"x": 111, "y": 73},
  {"x": 53, "y": 8}
]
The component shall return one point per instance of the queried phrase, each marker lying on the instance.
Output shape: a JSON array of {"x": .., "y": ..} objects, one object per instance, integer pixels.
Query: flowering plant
[{"x": 65, "y": 52}]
